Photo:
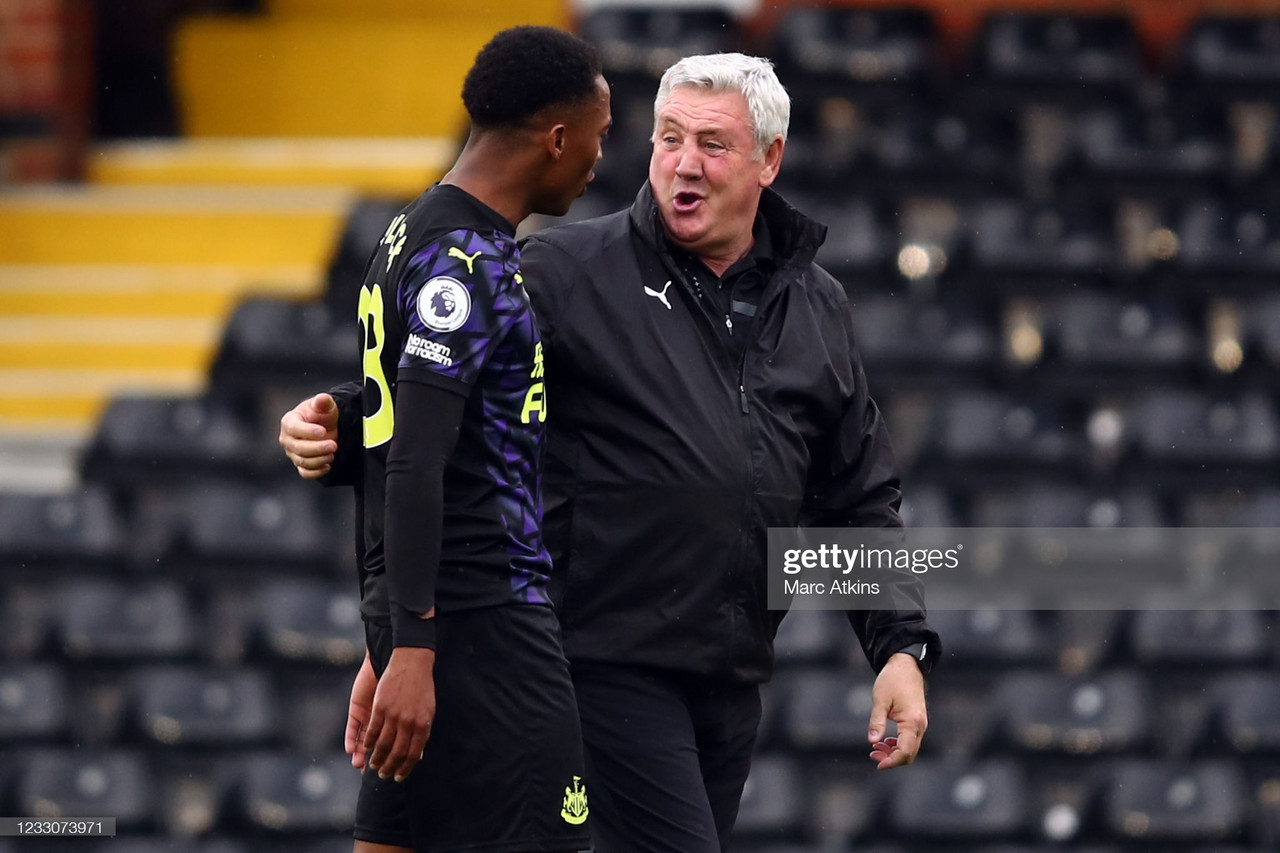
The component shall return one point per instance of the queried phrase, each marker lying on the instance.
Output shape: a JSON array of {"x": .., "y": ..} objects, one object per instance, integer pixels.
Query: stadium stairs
[{"x": 123, "y": 285}]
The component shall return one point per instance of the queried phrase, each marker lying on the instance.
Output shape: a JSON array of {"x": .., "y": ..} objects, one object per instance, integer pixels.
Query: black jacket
[{"x": 670, "y": 455}]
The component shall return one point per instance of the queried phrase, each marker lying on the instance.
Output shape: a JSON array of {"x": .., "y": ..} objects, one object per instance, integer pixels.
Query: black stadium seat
[
  {"x": 1169, "y": 153},
  {"x": 242, "y": 526},
  {"x": 1152, "y": 802},
  {"x": 90, "y": 783},
  {"x": 1247, "y": 712},
  {"x": 291, "y": 347},
  {"x": 72, "y": 531},
  {"x": 1057, "y": 56},
  {"x": 1191, "y": 637},
  {"x": 861, "y": 53},
  {"x": 1231, "y": 56},
  {"x": 180, "y": 706},
  {"x": 285, "y": 793},
  {"x": 33, "y": 702},
  {"x": 637, "y": 44},
  {"x": 1044, "y": 713},
  {"x": 158, "y": 440},
  {"x": 961, "y": 800},
  {"x": 310, "y": 621},
  {"x": 122, "y": 621},
  {"x": 828, "y": 711}
]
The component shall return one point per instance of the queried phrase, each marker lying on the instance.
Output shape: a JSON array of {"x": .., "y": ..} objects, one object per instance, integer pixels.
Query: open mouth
[{"x": 686, "y": 201}]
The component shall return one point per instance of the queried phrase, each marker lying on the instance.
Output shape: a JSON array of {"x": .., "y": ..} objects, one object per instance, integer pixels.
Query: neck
[
  {"x": 493, "y": 171},
  {"x": 718, "y": 264}
]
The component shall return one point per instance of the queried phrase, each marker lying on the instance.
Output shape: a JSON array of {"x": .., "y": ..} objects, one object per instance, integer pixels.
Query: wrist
[{"x": 920, "y": 654}]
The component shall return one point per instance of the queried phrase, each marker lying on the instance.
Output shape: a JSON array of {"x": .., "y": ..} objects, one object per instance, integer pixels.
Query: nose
[{"x": 689, "y": 166}]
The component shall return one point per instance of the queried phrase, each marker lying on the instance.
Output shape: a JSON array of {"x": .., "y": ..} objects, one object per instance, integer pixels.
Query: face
[
  {"x": 706, "y": 172},
  {"x": 578, "y": 145}
]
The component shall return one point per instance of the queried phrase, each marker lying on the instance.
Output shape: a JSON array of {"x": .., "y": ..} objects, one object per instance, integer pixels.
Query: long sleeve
[{"x": 428, "y": 419}]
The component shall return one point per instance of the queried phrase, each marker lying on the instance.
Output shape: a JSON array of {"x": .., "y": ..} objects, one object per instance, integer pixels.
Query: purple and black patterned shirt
[{"x": 443, "y": 303}]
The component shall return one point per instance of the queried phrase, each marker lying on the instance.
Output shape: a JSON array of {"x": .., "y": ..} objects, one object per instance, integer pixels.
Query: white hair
[{"x": 768, "y": 104}]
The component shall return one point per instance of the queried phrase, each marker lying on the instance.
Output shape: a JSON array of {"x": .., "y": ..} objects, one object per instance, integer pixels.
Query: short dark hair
[{"x": 524, "y": 70}]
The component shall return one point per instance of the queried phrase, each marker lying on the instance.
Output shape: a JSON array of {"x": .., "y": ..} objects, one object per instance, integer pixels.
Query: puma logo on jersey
[
  {"x": 455, "y": 252},
  {"x": 661, "y": 297}
]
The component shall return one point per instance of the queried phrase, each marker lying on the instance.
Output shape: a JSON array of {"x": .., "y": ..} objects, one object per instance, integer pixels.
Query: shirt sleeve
[{"x": 455, "y": 297}]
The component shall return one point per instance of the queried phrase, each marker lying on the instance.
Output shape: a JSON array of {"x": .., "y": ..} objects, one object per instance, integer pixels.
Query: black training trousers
[{"x": 667, "y": 756}]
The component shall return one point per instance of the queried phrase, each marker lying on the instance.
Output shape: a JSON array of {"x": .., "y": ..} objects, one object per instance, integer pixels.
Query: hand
[
  {"x": 309, "y": 435},
  {"x": 898, "y": 695},
  {"x": 404, "y": 706},
  {"x": 359, "y": 712}
]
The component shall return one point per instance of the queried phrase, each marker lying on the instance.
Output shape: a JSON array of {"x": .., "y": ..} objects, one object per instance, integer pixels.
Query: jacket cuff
[
  {"x": 909, "y": 635},
  {"x": 410, "y": 629}
]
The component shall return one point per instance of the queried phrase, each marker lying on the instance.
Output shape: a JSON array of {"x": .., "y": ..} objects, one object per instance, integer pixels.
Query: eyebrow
[{"x": 711, "y": 131}]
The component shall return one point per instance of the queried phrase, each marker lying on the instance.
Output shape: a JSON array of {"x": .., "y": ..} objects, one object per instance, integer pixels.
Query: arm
[
  {"x": 428, "y": 418},
  {"x": 855, "y": 484}
]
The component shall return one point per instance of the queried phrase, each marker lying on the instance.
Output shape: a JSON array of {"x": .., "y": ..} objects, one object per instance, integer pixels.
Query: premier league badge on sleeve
[{"x": 444, "y": 304}]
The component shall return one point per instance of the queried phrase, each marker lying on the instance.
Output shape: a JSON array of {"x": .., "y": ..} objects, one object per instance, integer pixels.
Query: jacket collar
[{"x": 795, "y": 237}]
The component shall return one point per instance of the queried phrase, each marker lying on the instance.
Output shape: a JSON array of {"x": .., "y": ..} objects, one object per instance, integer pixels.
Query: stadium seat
[
  {"x": 78, "y": 530},
  {"x": 1226, "y": 248},
  {"x": 828, "y": 711},
  {"x": 1261, "y": 322},
  {"x": 33, "y": 702},
  {"x": 1065, "y": 505},
  {"x": 993, "y": 437},
  {"x": 1246, "y": 712},
  {"x": 864, "y": 53},
  {"x": 86, "y": 783},
  {"x": 1025, "y": 247},
  {"x": 312, "y": 622},
  {"x": 928, "y": 506},
  {"x": 638, "y": 43},
  {"x": 960, "y": 800},
  {"x": 1171, "y": 153},
  {"x": 959, "y": 152},
  {"x": 982, "y": 637},
  {"x": 181, "y": 707},
  {"x": 1231, "y": 57},
  {"x": 1125, "y": 343},
  {"x": 1057, "y": 56},
  {"x": 1044, "y": 713},
  {"x": 1209, "y": 437},
  {"x": 111, "y": 620},
  {"x": 773, "y": 799},
  {"x": 1150, "y": 801},
  {"x": 935, "y": 339},
  {"x": 1197, "y": 637},
  {"x": 161, "y": 440},
  {"x": 238, "y": 526},
  {"x": 296, "y": 793},
  {"x": 843, "y": 800},
  {"x": 292, "y": 347}
]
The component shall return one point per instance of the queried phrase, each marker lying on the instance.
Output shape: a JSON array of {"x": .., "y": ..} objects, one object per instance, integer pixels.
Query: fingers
[
  {"x": 325, "y": 407},
  {"x": 398, "y": 749},
  {"x": 307, "y": 444},
  {"x": 353, "y": 742},
  {"x": 879, "y": 714}
]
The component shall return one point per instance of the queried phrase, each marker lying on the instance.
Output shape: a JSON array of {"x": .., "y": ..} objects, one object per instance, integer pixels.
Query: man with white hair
[{"x": 704, "y": 386}]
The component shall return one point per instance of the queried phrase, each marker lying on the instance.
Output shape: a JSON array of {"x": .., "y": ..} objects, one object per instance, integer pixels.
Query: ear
[
  {"x": 555, "y": 140},
  {"x": 772, "y": 162}
]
